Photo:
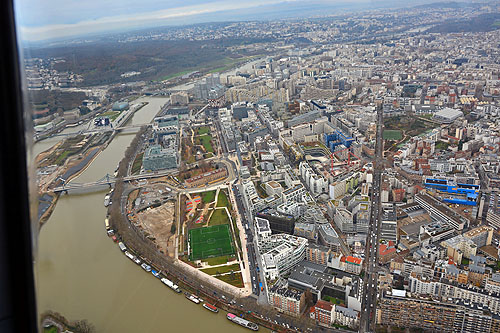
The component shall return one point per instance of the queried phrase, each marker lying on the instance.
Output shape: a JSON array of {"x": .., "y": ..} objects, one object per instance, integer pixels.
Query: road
[
  {"x": 369, "y": 298},
  {"x": 252, "y": 259},
  {"x": 246, "y": 220}
]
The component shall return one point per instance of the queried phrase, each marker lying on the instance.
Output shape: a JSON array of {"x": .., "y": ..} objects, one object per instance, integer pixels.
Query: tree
[
  {"x": 308, "y": 298},
  {"x": 173, "y": 228},
  {"x": 203, "y": 165},
  {"x": 83, "y": 326}
]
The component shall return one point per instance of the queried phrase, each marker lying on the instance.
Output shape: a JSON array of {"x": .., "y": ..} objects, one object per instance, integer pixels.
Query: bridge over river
[{"x": 106, "y": 181}]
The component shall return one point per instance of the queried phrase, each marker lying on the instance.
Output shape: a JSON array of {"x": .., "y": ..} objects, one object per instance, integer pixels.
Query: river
[{"x": 82, "y": 274}]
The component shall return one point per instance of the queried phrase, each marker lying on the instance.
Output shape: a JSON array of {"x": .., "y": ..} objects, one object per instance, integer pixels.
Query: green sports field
[
  {"x": 392, "y": 135},
  {"x": 210, "y": 242}
]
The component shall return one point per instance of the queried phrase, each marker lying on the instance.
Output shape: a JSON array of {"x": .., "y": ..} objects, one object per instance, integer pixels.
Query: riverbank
[
  {"x": 52, "y": 320},
  {"x": 76, "y": 259},
  {"x": 188, "y": 278},
  {"x": 177, "y": 273},
  {"x": 72, "y": 168},
  {"x": 71, "y": 172}
]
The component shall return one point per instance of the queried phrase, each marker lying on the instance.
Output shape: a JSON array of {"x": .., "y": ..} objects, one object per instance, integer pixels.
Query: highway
[{"x": 369, "y": 298}]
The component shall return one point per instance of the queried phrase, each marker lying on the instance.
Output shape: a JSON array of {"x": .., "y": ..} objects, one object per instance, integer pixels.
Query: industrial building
[
  {"x": 447, "y": 115},
  {"x": 453, "y": 192}
]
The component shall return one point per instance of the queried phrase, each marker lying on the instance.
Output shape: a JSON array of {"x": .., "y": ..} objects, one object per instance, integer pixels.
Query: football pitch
[{"x": 209, "y": 242}]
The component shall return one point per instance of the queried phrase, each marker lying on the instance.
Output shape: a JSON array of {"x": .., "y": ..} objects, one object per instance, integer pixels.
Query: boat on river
[
  {"x": 210, "y": 307},
  {"x": 171, "y": 285},
  {"x": 107, "y": 200},
  {"x": 242, "y": 322},
  {"x": 192, "y": 298}
]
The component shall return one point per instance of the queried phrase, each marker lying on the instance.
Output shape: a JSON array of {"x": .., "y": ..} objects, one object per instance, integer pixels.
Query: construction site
[{"x": 337, "y": 154}]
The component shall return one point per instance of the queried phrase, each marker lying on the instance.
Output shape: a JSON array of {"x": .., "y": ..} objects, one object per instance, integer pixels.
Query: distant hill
[
  {"x": 103, "y": 63},
  {"x": 481, "y": 23},
  {"x": 447, "y": 4}
]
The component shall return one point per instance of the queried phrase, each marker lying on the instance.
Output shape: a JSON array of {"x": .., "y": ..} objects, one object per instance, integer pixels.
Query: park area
[
  {"x": 112, "y": 115},
  {"x": 198, "y": 144},
  {"x": 409, "y": 124},
  {"x": 205, "y": 141},
  {"x": 392, "y": 135},
  {"x": 209, "y": 242}
]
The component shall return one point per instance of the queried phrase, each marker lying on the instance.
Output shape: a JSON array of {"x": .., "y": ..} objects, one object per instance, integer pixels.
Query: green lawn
[
  {"x": 210, "y": 242},
  {"x": 219, "y": 217},
  {"x": 441, "y": 145},
  {"x": 171, "y": 76},
  {"x": 136, "y": 167},
  {"x": 204, "y": 140},
  {"x": 61, "y": 158},
  {"x": 236, "y": 280},
  {"x": 222, "y": 269},
  {"x": 392, "y": 135},
  {"x": 237, "y": 234},
  {"x": 332, "y": 300},
  {"x": 203, "y": 130},
  {"x": 222, "y": 200},
  {"x": 230, "y": 63},
  {"x": 112, "y": 115},
  {"x": 207, "y": 197},
  {"x": 217, "y": 260},
  {"x": 51, "y": 329}
]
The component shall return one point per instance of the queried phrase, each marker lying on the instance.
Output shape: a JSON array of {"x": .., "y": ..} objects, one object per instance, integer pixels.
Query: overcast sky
[{"x": 44, "y": 19}]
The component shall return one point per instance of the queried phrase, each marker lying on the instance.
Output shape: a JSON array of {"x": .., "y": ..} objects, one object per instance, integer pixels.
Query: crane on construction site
[{"x": 349, "y": 153}]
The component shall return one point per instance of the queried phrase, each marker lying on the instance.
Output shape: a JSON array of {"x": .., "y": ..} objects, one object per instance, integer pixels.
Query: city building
[
  {"x": 281, "y": 252},
  {"x": 322, "y": 312},
  {"x": 288, "y": 301},
  {"x": 155, "y": 158}
]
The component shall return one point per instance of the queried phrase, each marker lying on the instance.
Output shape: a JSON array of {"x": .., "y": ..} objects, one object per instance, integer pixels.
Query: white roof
[
  {"x": 399, "y": 293},
  {"x": 449, "y": 113}
]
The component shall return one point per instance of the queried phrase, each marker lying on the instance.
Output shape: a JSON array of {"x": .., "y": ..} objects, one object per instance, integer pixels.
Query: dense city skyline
[
  {"x": 334, "y": 173},
  {"x": 39, "y": 21}
]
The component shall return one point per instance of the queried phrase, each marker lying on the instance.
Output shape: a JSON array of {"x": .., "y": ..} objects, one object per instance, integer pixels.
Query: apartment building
[
  {"x": 288, "y": 301},
  {"x": 345, "y": 316},
  {"x": 412, "y": 312},
  {"x": 481, "y": 236},
  {"x": 322, "y": 312},
  {"x": 459, "y": 247},
  {"x": 318, "y": 254},
  {"x": 280, "y": 253},
  {"x": 295, "y": 193}
]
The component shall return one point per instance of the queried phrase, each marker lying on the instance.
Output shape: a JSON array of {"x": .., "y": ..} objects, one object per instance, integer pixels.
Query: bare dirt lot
[{"x": 158, "y": 223}]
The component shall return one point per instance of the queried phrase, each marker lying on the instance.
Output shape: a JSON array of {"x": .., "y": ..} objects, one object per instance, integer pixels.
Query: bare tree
[
  {"x": 83, "y": 326},
  {"x": 308, "y": 298}
]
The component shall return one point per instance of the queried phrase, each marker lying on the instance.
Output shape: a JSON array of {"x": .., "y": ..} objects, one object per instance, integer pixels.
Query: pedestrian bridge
[
  {"x": 102, "y": 130},
  {"x": 107, "y": 180}
]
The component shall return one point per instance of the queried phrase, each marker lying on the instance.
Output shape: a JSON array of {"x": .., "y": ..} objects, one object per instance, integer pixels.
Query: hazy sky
[{"x": 44, "y": 19}]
